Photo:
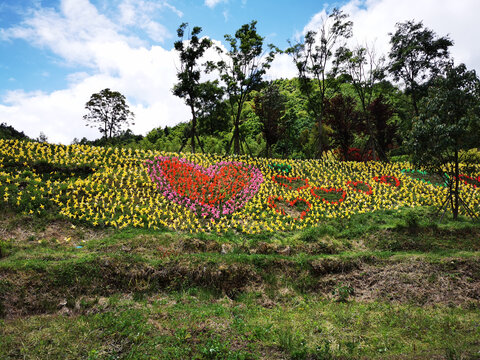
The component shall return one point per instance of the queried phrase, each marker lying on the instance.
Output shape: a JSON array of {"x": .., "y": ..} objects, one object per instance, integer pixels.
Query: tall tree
[
  {"x": 416, "y": 55},
  {"x": 363, "y": 69},
  {"x": 313, "y": 55},
  {"x": 341, "y": 115},
  {"x": 243, "y": 71},
  {"x": 379, "y": 113},
  {"x": 269, "y": 106},
  {"x": 195, "y": 93},
  {"x": 109, "y": 111},
  {"x": 448, "y": 115}
]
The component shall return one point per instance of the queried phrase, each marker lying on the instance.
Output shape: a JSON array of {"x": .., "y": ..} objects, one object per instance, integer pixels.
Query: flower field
[{"x": 206, "y": 193}]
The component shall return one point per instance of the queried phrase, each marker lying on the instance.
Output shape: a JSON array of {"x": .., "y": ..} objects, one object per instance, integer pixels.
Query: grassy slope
[
  {"x": 376, "y": 288},
  {"x": 385, "y": 284}
]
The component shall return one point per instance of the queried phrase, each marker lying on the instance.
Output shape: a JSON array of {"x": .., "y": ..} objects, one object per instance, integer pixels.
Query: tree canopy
[
  {"x": 108, "y": 110},
  {"x": 312, "y": 58},
  {"x": 417, "y": 55},
  {"x": 448, "y": 116},
  {"x": 243, "y": 71},
  {"x": 198, "y": 96}
]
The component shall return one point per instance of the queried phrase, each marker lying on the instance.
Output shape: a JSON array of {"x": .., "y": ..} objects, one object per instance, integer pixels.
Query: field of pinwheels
[
  {"x": 114, "y": 253},
  {"x": 205, "y": 193}
]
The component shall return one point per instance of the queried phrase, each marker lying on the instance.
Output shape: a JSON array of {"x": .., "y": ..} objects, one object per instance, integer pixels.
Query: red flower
[
  {"x": 388, "y": 180},
  {"x": 292, "y": 183}
]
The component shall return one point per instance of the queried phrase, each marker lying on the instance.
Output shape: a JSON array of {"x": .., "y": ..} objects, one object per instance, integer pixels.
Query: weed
[
  {"x": 293, "y": 344},
  {"x": 342, "y": 292},
  {"x": 323, "y": 352},
  {"x": 411, "y": 222}
]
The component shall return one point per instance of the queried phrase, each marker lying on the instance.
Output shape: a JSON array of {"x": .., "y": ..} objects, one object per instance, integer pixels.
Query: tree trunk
[
  {"x": 194, "y": 128},
  {"x": 414, "y": 103},
  {"x": 320, "y": 142},
  {"x": 236, "y": 136},
  {"x": 194, "y": 125},
  {"x": 455, "y": 208}
]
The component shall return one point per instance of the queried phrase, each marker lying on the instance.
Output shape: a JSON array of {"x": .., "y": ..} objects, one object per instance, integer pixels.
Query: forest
[{"x": 351, "y": 101}]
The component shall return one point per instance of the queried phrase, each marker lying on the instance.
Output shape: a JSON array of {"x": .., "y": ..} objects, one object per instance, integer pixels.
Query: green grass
[
  {"x": 386, "y": 285},
  {"x": 197, "y": 325}
]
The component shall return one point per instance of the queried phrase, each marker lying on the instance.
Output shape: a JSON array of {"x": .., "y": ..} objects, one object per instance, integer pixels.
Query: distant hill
[{"x": 8, "y": 132}]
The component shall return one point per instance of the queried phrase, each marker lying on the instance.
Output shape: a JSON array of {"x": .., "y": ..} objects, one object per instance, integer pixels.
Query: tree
[
  {"x": 341, "y": 115},
  {"x": 109, "y": 111},
  {"x": 42, "y": 138},
  {"x": 214, "y": 111},
  {"x": 364, "y": 69},
  {"x": 269, "y": 106},
  {"x": 197, "y": 95},
  {"x": 312, "y": 58},
  {"x": 8, "y": 132},
  {"x": 242, "y": 72},
  {"x": 380, "y": 112},
  {"x": 448, "y": 115},
  {"x": 416, "y": 55}
]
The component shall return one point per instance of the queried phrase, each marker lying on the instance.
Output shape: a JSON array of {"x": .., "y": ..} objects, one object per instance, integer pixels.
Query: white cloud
[
  {"x": 226, "y": 15},
  {"x": 80, "y": 35},
  {"x": 212, "y": 3},
  {"x": 139, "y": 13},
  {"x": 374, "y": 19},
  {"x": 282, "y": 67}
]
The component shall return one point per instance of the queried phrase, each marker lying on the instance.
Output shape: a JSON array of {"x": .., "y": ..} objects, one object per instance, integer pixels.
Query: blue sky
[
  {"x": 55, "y": 53},
  {"x": 28, "y": 67}
]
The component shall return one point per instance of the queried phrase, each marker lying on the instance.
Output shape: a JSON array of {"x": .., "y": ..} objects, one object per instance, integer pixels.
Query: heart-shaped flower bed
[
  {"x": 423, "y": 176},
  {"x": 217, "y": 190},
  {"x": 468, "y": 180},
  {"x": 296, "y": 208},
  {"x": 360, "y": 186},
  {"x": 292, "y": 183},
  {"x": 388, "y": 180},
  {"x": 331, "y": 196}
]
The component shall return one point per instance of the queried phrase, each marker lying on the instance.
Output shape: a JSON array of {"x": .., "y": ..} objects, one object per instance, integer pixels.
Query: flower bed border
[
  {"x": 353, "y": 185},
  {"x": 344, "y": 193},
  {"x": 272, "y": 205},
  {"x": 384, "y": 179}
]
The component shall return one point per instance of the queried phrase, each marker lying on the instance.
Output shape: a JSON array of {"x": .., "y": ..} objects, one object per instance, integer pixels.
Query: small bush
[
  {"x": 342, "y": 292},
  {"x": 400, "y": 158}
]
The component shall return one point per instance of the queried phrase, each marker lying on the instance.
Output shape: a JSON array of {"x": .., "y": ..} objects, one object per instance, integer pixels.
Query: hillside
[{"x": 114, "y": 253}]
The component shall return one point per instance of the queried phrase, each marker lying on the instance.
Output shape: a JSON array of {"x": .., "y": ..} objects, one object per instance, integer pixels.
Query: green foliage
[
  {"x": 5, "y": 247},
  {"x": 342, "y": 292},
  {"x": 446, "y": 126},
  {"x": 471, "y": 156},
  {"x": 293, "y": 344},
  {"x": 312, "y": 56},
  {"x": 201, "y": 97},
  {"x": 400, "y": 158},
  {"x": 244, "y": 71},
  {"x": 416, "y": 55},
  {"x": 282, "y": 168}
]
